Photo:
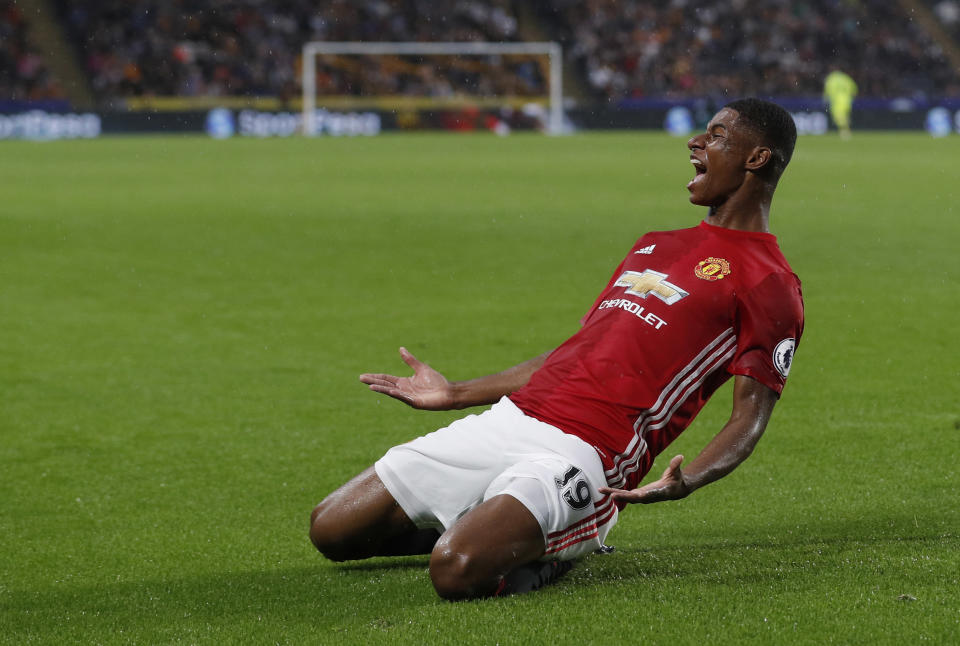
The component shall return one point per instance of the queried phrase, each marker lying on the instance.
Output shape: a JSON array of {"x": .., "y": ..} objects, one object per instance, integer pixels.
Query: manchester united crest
[{"x": 712, "y": 269}]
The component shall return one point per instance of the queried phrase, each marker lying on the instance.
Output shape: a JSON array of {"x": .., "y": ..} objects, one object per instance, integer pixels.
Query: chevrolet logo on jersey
[{"x": 650, "y": 282}]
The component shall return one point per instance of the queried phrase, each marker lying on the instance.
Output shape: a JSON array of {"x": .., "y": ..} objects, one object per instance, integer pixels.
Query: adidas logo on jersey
[{"x": 646, "y": 250}]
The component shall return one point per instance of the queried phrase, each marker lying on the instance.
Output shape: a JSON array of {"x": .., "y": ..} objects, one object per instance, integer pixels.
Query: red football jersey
[{"x": 685, "y": 310}]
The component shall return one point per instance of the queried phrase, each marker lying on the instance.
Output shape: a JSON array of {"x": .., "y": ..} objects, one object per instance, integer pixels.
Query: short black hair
[{"x": 775, "y": 127}]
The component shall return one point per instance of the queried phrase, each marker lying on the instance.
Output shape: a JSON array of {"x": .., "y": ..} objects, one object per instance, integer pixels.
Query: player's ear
[{"x": 759, "y": 157}]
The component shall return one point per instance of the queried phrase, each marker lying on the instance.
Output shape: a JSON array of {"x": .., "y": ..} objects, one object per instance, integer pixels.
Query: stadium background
[
  {"x": 146, "y": 66},
  {"x": 182, "y": 319}
]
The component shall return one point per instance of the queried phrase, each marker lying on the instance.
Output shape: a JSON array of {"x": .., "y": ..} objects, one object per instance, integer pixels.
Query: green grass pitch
[{"x": 182, "y": 323}]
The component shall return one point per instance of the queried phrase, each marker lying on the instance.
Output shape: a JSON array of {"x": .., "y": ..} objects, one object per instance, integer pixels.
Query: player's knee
[
  {"x": 456, "y": 574},
  {"x": 326, "y": 534}
]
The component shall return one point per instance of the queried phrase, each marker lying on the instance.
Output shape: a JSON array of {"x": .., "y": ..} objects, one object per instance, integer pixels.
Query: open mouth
[{"x": 699, "y": 168}]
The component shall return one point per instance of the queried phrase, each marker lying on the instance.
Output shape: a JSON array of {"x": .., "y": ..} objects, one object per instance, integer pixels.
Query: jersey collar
[{"x": 734, "y": 233}]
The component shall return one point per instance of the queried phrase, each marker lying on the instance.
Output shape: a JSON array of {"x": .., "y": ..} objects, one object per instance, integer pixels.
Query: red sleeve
[{"x": 769, "y": 322}]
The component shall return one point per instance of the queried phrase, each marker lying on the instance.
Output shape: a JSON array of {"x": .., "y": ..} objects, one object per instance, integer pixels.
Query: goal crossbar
[{"x": 313, "y": 49}]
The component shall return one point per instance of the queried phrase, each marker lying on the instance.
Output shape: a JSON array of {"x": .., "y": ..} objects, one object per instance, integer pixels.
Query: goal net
[{"x": 432, "y": 76}]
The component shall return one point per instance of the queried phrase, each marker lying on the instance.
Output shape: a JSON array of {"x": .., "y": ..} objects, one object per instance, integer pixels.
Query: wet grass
[{"x": 183, "y": 321}]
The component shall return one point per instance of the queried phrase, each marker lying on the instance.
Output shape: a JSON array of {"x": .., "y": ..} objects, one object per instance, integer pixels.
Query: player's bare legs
[
  {"x": 483, "y": 554},
  {"x": 472, "y": 558},
  {"x": 361, "y": 519}
]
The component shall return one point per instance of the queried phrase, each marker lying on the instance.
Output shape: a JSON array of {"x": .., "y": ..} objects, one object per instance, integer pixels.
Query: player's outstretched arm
[
  {"x": 427, "y": 389},
  {"x": 752, "y": 406}
]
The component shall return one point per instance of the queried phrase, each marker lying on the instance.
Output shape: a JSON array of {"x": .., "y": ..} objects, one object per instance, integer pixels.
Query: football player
[{"x": 504, "y": 500}]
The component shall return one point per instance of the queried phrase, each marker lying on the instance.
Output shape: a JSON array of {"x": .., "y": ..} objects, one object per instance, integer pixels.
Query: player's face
[{"x": 718, "y": 157}]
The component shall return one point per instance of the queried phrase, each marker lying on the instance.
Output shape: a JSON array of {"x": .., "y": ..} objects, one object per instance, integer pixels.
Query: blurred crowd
[
  {"x": 947, "y": 13},
  {"x": 632, "y": 48},
  {"x": 23, "y": 72},
  {"x": 252, "y": 47},
  {"x": 622, "y": 49}
]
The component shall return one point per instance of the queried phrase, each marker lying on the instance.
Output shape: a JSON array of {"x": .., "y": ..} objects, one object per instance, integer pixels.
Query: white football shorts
[{"x": 439, "y": 477}]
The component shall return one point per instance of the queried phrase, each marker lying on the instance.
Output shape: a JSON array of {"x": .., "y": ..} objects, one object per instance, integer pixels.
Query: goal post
[{"x": 474, "y": 48}]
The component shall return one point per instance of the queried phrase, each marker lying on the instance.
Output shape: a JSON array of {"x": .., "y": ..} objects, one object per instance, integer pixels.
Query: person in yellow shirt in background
[{"x": 839, "y": 90}]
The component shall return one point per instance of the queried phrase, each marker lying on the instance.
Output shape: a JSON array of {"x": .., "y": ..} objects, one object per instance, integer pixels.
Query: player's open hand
[
  {"x": 427, "y": 389},
  {"x": 670, "y": 486}
]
